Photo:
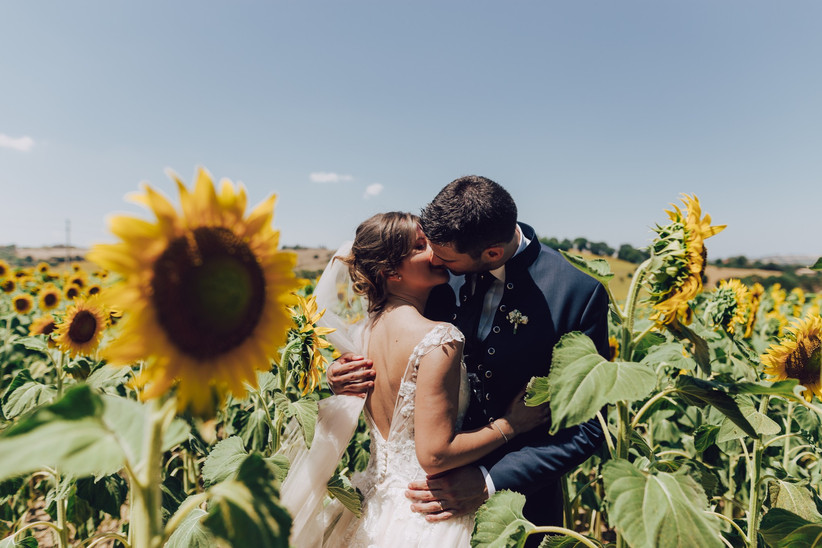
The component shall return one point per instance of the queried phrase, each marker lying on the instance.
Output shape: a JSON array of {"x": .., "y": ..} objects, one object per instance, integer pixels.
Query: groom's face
[{"x": 458, "y": 263}]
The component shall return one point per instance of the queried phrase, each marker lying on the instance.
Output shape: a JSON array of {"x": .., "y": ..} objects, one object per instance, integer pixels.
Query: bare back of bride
[{"x": 419, "y": 396}]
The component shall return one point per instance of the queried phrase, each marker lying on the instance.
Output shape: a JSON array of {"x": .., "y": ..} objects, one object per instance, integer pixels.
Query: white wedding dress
[{"x": 387, "y": 519}]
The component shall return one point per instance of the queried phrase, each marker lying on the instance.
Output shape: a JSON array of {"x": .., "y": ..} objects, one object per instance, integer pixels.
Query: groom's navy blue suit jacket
[{"x": 556, "y": 298}]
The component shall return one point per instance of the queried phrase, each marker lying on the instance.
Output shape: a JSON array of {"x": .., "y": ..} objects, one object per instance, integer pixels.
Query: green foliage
[
  {"x": 340, "y": 487},
  {"x": 191, "y": 532},
  {"x": 245, "y": 511},
  {"x": 84, "y": 433},
  {"x": 658, "y": 510},
  {"x": 499, "y": 522},
  {"x": 599, "y": 269},
  {"x": 581, "y": 381}
]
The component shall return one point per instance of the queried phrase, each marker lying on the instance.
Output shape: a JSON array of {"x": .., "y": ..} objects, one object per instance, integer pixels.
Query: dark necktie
[{"x": 471, "y": 310}]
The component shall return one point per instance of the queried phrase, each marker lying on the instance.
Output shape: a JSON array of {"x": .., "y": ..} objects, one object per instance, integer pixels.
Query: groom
[{"x": 512, "y": 298}]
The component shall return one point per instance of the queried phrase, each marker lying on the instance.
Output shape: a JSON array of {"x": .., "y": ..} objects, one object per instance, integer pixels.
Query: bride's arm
[{"x": 439, "y": 446}]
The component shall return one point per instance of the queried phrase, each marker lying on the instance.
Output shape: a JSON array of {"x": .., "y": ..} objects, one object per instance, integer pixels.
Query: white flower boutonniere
[{"x": 517, "y": 318}]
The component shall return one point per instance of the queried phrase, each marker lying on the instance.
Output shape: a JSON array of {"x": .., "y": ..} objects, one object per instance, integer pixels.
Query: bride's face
[{"x": 416, "y": 269}]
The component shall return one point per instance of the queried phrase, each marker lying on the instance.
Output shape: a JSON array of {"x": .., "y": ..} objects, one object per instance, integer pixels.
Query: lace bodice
[{"x": 394, "y": 458}]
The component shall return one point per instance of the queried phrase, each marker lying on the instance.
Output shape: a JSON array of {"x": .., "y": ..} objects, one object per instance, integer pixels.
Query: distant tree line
[
  {"x": 626, "y": 252},
  {"x": 741, "y": 261}
]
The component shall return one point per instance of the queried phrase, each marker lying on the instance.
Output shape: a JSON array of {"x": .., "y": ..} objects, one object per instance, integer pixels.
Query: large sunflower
[
  {"x": 82, "y": 328},
  {"x": 50, "y": 296},
  {"x": 798, "y": 356},
  {"x": 5, "y": 269},
  {"x": 678, "y": 261},
  {"x": 22, "y": 304},
  {"x": 206, "y": 292},
  {"x": 311, "y": 362}
]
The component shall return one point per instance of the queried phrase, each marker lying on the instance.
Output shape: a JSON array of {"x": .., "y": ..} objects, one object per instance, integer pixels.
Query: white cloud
[
  {"x": 328, "y": 177},
  {"x": 23, "y": 144},
  {"x": 373, "y": 190}
]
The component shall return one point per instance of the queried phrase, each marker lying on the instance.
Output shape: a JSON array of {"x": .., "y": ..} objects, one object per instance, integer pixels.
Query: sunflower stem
[
  {"x": 755, "y": 463},
  {"x": 649, "y": 403},
  {"x": 147, "y": 521},
  {"x": 62, "y": 524},
  {"x": 623, "y": 430},
  {"x": 59, "y": 367}
]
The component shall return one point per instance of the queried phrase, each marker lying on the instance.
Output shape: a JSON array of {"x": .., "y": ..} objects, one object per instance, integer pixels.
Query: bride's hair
[{"x": 380, "y": 245}]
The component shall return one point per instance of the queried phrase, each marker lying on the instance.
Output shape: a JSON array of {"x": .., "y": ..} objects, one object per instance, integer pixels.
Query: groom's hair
[{"x": 472, "y": 214}]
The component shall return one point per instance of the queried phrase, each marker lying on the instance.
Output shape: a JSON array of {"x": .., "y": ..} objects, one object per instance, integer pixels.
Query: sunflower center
[
  {"x": 21, "y": 305},
  {"x": 209, "y": 292},
  {"x": 804, "y": 363},
  {"x": 50, "y": 299},
  {"x": 83, "y": 327}
]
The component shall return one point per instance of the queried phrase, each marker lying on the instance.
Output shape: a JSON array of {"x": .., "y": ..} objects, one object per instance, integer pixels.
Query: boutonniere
[{"x": 517, "y": 318}]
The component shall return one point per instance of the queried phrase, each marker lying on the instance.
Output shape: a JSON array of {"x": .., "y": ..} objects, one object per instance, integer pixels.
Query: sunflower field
[{"x": 154, "y": 395}]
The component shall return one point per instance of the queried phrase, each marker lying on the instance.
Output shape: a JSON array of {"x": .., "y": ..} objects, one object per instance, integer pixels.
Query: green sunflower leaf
[
  {"x": 108, "y": 493},
  {"x": 559, "y": 541},
  {"x": 761, "y": 423},
  {"x": 599, "y": 269},
  {"x": 306, "y": 411},
  {"x": 33, "y": 343},
  {"x": 700, "y": 349},
  {"x": 340, "y": 487},
  {"x": 705, "y": 436},
  {"x": 107, "y": 378},
  {"x": 10, "y": 542},
  {"x": 817, "y": 265},
  {"x": 581, "y": 381},
  {"x": 245, "y": 511},
  {"x": 778, "y": 524},
  {"x": 191, "y": 533},
  {"x": 780, "y": 388},
  {"x": 700, "y": 392},
  {"x": 25, "y": 394},
  {"x": 669, "y": 354},
  {"x": 538, "y": 391},
  {"x": 499, "y": 522},
  {"x": 810, "y": 424},
  {"x": 224, "y": 460},
  {"x": 808, "y": 536},
  {"x": 87, "y": 434},
  {"x": 796, "y": 498},
  {"x": 658, "y": 510}
]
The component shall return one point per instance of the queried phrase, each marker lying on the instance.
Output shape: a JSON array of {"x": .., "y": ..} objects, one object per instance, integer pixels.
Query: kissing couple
[{"x": 463, "y": 307}]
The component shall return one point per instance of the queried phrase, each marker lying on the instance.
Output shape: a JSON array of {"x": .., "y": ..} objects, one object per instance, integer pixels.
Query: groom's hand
[
  {"x": 452, "y": 493},
  {"x": 351, "y": 375}
]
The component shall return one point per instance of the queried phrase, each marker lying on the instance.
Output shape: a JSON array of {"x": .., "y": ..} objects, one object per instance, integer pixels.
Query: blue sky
[{"x": 595, "y": 115}]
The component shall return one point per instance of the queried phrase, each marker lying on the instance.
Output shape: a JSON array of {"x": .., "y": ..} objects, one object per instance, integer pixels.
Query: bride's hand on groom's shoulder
[{"x": 351, "y": 375}]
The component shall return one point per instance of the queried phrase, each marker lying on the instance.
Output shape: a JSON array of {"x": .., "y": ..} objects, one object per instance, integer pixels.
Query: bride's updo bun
[{"x": 380, "y": 245}]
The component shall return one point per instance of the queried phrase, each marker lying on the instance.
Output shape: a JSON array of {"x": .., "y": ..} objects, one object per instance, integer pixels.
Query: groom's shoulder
[{"x": 559, "y": 280}]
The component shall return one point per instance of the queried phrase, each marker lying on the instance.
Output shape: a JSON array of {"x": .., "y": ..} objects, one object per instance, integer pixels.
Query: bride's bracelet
[{"x": 500, "y": 431}]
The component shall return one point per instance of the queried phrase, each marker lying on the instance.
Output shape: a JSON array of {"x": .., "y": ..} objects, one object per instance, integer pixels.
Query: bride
[{"x": 419, "y": 397}]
